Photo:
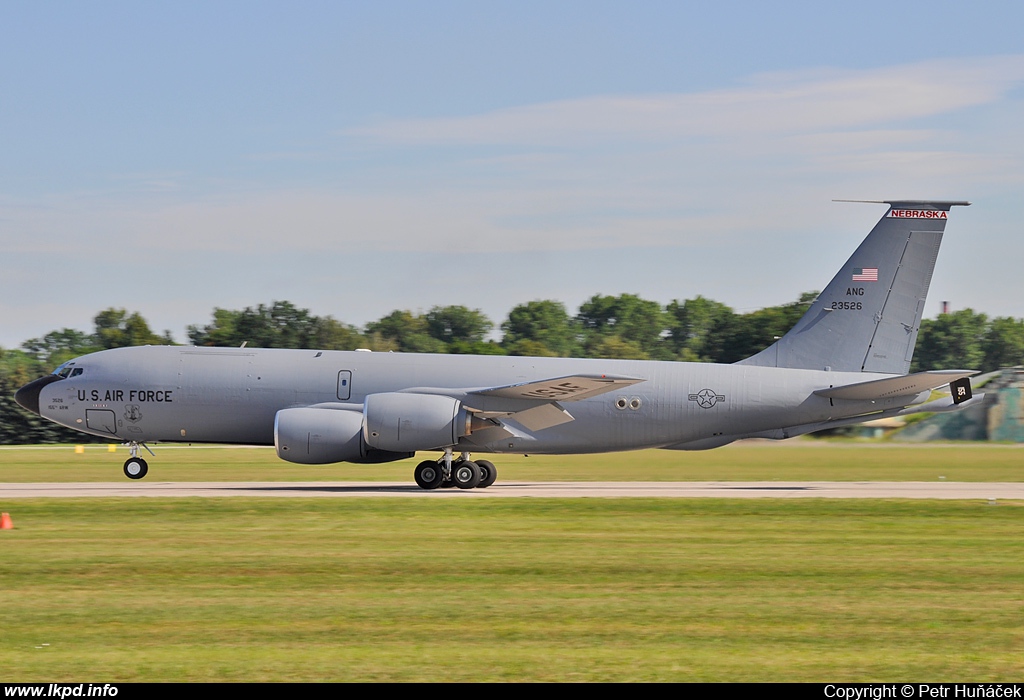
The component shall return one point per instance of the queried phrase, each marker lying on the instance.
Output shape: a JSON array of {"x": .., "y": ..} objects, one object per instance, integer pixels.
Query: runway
[{"x": 526, "y": 489}]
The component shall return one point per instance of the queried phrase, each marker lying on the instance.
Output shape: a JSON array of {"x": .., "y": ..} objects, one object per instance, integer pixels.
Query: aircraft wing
[
  {"x": 571, "y": 388},
  {"x": 905, "y": 385},
  {"x": 533, "y": 405},
  {"x": 550, "y": 391}
]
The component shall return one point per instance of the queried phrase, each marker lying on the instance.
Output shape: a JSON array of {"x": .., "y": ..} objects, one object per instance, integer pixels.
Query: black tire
[
  {"x": 428, "y": 475},
  {"x": 488, "y": 473},
  {"x": 465, "y": 474},
  {"x": 135, "y": 468}
]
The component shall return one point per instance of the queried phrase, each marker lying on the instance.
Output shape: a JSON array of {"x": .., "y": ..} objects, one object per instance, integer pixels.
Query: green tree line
[{"x": 612, "y": 327}]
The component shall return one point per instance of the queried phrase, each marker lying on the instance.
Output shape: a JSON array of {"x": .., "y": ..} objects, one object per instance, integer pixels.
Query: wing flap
[{"x": 547, "y": 415}]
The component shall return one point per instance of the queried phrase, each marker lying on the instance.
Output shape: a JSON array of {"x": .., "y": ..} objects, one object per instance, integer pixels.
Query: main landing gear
[
  {"x": 135, "y": 467},
  {"x": 463, "y": 473}
]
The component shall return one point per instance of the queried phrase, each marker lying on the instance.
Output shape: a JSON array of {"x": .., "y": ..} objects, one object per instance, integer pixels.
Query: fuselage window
[{"x": 345, "y": 384}]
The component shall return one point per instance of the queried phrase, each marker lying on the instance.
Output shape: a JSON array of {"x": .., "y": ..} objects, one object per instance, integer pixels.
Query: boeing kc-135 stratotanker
[{"x": 844, "y": 362}]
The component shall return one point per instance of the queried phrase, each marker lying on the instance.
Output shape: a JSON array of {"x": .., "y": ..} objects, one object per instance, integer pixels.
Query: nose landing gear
[{"x": 135, "y": 467}]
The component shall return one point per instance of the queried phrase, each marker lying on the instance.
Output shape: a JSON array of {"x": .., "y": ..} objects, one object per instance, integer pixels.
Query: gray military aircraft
[{"x": 844, "y": 362}]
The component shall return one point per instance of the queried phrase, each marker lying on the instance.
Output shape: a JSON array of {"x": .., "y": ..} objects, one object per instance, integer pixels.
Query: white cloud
[{"x": 780, "y": 103}]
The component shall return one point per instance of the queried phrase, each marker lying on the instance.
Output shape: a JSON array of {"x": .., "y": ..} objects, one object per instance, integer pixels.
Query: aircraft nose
[{"x": 28, "y": 395}]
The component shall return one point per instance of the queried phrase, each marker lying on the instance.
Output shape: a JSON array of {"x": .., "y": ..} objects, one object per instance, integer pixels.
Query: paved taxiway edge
[{"x": 525, "y": 489}]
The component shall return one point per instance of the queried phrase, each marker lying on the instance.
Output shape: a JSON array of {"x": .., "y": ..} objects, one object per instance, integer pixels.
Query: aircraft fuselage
[{"x": 227, "y": 395}]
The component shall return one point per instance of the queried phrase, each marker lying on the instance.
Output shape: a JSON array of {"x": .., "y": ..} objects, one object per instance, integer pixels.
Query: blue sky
[{"x": 355, "y": 158}]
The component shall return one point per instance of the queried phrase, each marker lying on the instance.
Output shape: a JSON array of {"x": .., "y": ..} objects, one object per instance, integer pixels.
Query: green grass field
[
  {"x": 808, "y": 460},
  {"x": 241, "y": 589},
  {"x": 531, "y": 589}
]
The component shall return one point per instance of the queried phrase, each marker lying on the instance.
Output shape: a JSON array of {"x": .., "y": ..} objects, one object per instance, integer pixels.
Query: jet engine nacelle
[
  {"x": 403, "y": 422},
  {"x": 325, "y": 436}
]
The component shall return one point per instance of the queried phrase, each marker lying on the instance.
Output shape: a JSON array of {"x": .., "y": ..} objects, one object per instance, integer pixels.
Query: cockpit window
[{"x": 67, "y": 369}]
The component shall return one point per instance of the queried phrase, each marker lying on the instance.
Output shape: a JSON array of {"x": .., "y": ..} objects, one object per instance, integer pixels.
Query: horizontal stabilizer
[
  {"x": 572, "y": 388},
  {"x": 907, "y": 385}
]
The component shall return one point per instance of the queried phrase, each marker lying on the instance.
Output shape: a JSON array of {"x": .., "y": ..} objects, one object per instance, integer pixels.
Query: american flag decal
[{"x": 865, "y": 274}]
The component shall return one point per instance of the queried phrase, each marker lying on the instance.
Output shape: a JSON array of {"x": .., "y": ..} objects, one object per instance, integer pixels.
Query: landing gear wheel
[
  {"x": 428, "y": 475},
  {"x": 488, "y": 473},
  {"x": 466, "y": 475},
  {"x": 135, "y": 468}
]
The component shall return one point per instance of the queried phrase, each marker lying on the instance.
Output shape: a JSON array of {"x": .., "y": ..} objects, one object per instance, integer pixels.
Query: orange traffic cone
[{"x": 5, "y": 522}]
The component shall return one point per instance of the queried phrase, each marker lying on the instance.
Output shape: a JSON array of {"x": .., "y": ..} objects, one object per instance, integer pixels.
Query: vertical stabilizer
[{"x": 868, "y": 317}]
